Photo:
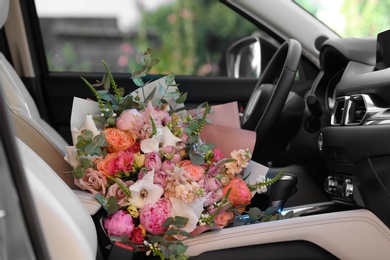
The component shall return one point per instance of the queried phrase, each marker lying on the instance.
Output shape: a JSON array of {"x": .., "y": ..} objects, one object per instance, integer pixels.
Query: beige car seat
[{"x": 29, "y": 125}]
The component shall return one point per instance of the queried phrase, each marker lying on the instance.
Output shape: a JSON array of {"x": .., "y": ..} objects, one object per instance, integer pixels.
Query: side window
[{"x": 189, "y": 37}]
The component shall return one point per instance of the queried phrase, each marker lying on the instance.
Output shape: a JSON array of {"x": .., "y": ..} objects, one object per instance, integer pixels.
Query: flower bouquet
[{"x": 143, "y": 157}]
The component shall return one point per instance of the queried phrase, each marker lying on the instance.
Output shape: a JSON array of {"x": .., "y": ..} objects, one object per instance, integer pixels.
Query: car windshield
[{"x": 350, "y": 18}]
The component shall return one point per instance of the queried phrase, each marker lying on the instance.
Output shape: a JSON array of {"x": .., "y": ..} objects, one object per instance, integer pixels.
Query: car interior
[{"x": 333, "y": 134}]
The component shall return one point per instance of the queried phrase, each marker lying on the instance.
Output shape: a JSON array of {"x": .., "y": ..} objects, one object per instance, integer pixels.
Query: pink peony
[
  {"x": 153, "y": 161},
  {"x": 160, "y": 178},
  {"x": 130, "y": 120},
  {"x": 93, "y": 181},
  {"x": 119, "y": 224},
  {"x": 154, "y": 215},
  {"x": 115, "y": 191}
]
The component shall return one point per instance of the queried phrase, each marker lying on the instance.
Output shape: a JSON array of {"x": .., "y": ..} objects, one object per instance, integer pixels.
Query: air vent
[
  {"x": 357, "y": 110},
  {"x": 338, "y": 111}
]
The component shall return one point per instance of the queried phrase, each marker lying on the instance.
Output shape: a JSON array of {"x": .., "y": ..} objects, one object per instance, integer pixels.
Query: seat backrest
[
  {"x": 30, "y": 127},
  {"x": 67, "y": 226}
]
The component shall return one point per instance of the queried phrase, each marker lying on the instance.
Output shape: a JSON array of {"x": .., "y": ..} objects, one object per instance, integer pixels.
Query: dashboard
[{"x": 354, "y": 86}]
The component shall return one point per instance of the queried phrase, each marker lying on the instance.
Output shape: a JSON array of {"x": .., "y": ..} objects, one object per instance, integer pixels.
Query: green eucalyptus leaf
[
  {"x": 111, "y": 121},
  {"x": 87, "y": 135},
  {"x": 85, "y": 163},
  {"x": 180, "y": 221},
  {"x": 146, "y": 69},
  {"x": 182, "y": 98},
  {"x": 81, "y": 142},
  {"x": 172, "y": 232},
  {"x": 181, "y": 249},
  {"x": 180, "y": 109},
  {"x": 193, "y": 125},
  {"x": 266, "y": 218},
  {"x": 78, "y": 172},
  {"x": 153, "y": 62},
  {"x": 289, "y": 214},
  {"x": 270, "y": 210},
  {"x": 91, "y": 149},
  {"x": 106, "y": 81},
  {"x": 112, "y": 205},
  {"x": 100, "y": 140},
  {"x": 196, "y": 158},
  {"x": 255, "y": 213},
  {"x": 169, "y": 221},
  {"x": 170, "y": 79}
]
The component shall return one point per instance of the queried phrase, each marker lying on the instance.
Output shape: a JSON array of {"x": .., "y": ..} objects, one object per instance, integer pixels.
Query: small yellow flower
[
  {"x": 133, "y": 211},
  {"x": 139, "y": 160}
]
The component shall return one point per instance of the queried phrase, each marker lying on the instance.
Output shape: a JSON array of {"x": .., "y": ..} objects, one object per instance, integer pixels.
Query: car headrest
[{"x": 4, "y": 7}]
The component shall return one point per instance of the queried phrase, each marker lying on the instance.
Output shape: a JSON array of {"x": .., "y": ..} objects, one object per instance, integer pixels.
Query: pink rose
[
  {"x": 239, "y": 193},
  {"x": 176, "y": 157},
  {"x": 119, "y": 224},
  {"x": 154, "y": 215},
  {"x": 153, "y": 161},
  {"x": 130, "y": 120},
  {"x": 195, "y": 172},
  {"x": 93, "y": 181},
  {"x": 107, "y": 165},
  {"x": 115, "y": 191},
  {"x": 222, "y": 219},
  {"x": 157, "y": 114},
  {"x": 167, "y": 165},
  {"x": 160, "y": 178}
]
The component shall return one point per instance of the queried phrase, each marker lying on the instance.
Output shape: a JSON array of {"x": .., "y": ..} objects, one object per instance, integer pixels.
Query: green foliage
[
  {"x": 109, "y": 204},
  {"x": 189, "y": 40},
  {"x": 270, "y": 214},
  {"x": 170, "y": 249}
]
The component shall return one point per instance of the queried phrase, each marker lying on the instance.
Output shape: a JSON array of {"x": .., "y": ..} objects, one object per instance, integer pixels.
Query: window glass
[
  {"x": 189, "y": 37},
  {"x": 351, "y": 18}
]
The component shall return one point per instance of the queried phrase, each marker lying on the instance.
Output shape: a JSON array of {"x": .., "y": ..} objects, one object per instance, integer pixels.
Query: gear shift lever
[{"x": 282, "y": 190}]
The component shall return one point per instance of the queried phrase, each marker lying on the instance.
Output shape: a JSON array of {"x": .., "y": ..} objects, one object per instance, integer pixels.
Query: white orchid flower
[
  {"x": 145, "y": 192},
  {"x": 88, "y": 124},
  {"x": 190, "y": 211},
  {"x": 169, "y": 139},
  {"x": 151, "y": 144}
]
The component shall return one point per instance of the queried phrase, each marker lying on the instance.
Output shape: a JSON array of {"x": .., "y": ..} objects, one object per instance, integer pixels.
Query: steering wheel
[{"x": 271, "y": 91}]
